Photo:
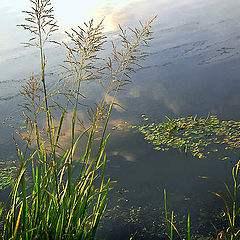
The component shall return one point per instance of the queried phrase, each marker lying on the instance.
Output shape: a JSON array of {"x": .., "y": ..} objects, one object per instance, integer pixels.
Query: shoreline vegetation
[{"x": 48, "y": 199}]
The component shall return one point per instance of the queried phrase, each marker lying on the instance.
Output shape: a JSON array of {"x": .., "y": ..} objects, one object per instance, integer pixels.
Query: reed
[{"x": 48, "y": 199}]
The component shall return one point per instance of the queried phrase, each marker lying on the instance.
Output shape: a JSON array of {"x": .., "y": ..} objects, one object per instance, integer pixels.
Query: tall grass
[{"x": 55, "y": 196}]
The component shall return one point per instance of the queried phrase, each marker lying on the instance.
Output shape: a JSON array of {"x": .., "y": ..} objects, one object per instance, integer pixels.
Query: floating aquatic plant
[{"x": 200, "y": 136}]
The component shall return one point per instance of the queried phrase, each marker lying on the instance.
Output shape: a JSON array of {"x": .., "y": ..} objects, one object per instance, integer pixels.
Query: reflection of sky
[
  {"x": 68, "y": 14},
  {"x": 189, "y": 36},
  {"x": 124, "y": 12}
]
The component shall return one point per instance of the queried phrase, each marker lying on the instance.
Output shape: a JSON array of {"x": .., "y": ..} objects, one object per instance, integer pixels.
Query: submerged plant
[{"x": 54, "y": 196}]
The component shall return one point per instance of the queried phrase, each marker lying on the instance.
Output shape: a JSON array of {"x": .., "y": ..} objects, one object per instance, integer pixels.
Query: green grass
[
  {"x": 171, "y": 225},
  {"x": 54, "y": 196}
]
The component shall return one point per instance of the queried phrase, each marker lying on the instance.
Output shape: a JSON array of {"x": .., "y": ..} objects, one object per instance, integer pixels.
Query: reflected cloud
[
  {"x": 66, "y": 136},
  {"x": 118, "y": 106},
  {"x": 115, "y": 122},
  {"x": 64, "y": 142},
  {"x": 125, "y": 155},
  {"x": 10, "y": 33},
  {"x": 134, "y": 93},
  {"x": 65, "y": 139},
  {"x": 161, "y": 93},
  {"x": 128, "y": 14}
]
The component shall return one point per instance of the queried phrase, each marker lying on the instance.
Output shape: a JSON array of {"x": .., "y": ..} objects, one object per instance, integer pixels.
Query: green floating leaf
[{"x": 192, "y": 134}]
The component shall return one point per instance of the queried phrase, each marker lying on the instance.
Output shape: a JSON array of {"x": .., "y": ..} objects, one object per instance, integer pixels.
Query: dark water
[{"x": 193, "y": 69}]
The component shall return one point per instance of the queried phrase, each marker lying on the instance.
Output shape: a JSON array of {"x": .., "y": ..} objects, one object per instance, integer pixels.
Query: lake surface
[{"x": 193, "y": 69}]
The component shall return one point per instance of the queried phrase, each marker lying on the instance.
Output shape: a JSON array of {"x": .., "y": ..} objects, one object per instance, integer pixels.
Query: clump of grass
[
  {"x": 232, "y": 208},
  {"x": 171, "y": 226},
  {"x": 53, "y": 196}
]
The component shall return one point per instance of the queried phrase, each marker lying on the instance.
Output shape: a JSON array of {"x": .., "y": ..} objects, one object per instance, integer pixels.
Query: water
[{"x": 193, "y": 69}]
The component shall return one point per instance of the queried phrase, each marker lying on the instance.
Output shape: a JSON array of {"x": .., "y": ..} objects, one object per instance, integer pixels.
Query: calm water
[{"x": 193, "y": 69}]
